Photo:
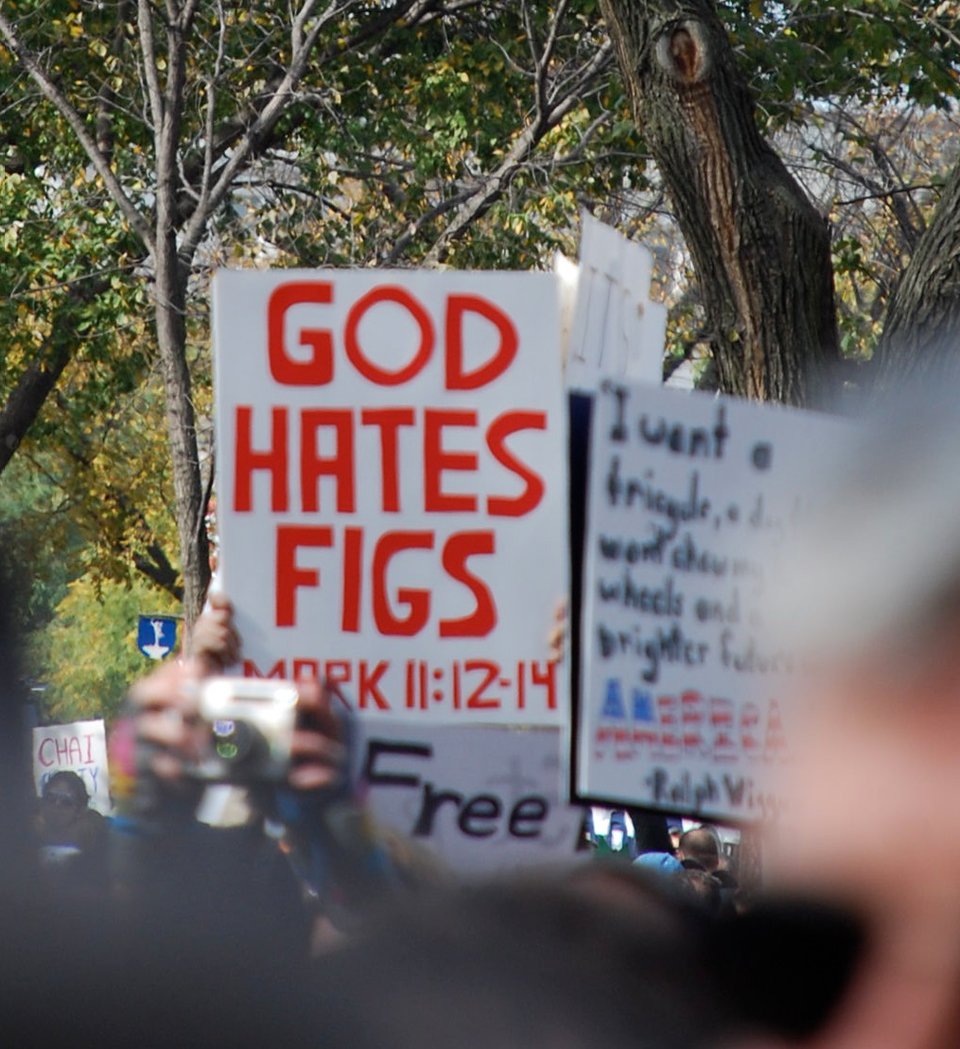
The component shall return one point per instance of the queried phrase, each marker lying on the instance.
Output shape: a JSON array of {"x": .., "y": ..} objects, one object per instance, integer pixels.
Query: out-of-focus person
[
  {"x": 303, "y": 862},
  {"x": 72, "y": 838},
  {"x": 870, "y": 598},
  {"x": 605, "y": 958},
  {"x": 699, "y": 849}
]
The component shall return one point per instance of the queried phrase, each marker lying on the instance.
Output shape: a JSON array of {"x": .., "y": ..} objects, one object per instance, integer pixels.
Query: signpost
[{"x": 156, "y": 636}]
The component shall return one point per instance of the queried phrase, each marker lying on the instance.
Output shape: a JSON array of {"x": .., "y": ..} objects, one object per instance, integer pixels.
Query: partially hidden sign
[
  {"x": 690, "y": 496},
  {"x": 392, "y": 486},
  {"x": 479, "y": 799},
  {"x": 80, "y": 747}
]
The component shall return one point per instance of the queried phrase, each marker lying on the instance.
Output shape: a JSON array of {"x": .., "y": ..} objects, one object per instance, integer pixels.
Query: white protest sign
[
  {"x": 79, "y": 747},
  {"x": 483, "y": 799},
  {"x": 679, "y": 698},
  {"x": 392, "y": 497},
  {"x": 615, "y": 329}
]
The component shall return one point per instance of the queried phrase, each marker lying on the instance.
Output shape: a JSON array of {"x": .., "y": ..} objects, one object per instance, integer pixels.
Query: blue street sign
[{"x": 157, "y": 636}]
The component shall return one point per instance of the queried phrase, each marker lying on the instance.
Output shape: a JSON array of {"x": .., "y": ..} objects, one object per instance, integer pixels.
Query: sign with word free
[
  {"x": 79, "y": 747},
  {"x": 690, "y": 496},
  {"x": 392, "y": 486},
  {"x": 482, "y": 799}
]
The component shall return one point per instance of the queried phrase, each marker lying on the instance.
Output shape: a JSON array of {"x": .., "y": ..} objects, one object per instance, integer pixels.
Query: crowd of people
[{"x": 304, "y": 926}]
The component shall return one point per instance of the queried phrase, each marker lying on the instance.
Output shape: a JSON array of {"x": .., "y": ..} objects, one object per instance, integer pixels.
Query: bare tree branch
[
  {"x": 265, "y": 120},
  {"x": 54, "y": 95},
  {"x": 494, "y": 183},
  {"x": 149, "y": 51}
]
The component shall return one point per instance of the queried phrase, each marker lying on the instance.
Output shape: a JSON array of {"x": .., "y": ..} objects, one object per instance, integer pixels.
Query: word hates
[
  {"x": 686, "y": 725},
  {"x": 301, "y": 465}
]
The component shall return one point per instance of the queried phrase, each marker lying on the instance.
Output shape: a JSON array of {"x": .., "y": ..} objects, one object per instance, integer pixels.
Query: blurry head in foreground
[
  {"x": 871, "y": 600},
  {"x": 601, "y": 960},
  {"x": 16, "y": 781}
]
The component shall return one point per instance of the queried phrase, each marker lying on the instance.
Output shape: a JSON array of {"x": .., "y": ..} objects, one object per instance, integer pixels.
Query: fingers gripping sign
[{"x": 192, "y": 726}]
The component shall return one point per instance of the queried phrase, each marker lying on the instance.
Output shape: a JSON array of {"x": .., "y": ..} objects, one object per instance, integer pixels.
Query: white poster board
[
  {"x": 392, "y": 501},
  {"x": 615, "y": 329},
  {"x": 79, "y": 747},
  {"x": 482, "y": 800},
  {"x": 688, "y": 492}
]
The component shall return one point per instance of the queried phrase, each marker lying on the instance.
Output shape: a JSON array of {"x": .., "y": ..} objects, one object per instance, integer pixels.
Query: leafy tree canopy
[{"x": 420, "y": 132}]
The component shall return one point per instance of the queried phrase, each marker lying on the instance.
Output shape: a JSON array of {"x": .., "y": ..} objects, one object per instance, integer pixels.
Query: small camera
[{"x": 249, "y": 724}]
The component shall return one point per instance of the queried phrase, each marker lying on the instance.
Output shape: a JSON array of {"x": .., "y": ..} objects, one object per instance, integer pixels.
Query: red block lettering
[
  {"x": 458, "y": 378},
  {"x": 354, "y": 351},
  {"x": 338, "y": 672},
  {"x": 416, "y": 601},
  {"x": 436, "y": 460},
  {"x": 368, "y": 686},
  {"x": 246, "y": 460},
  {"x": 289, "y": 577},
  {"x": 457, "y": 549},
  {"x": 352, "y": 579},
  {"x": 500, "y": 429},
  {"x": 389, "y": 420},
  {"x": 318, "y": 370},
  {"x": 306, "y": 670},
  {"x": 339, "y": 465}
]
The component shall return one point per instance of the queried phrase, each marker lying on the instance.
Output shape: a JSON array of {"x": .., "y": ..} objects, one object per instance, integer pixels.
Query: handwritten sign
[
  {"x": 481, "y": 799},
  {"x": 689, "y": 495},
  {"x": 79, "y": 747},
  {"x": 391, "y": 485}
]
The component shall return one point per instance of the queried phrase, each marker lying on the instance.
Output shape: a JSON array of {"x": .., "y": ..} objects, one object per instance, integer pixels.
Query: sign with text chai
[{"x": 392, "y": 487}]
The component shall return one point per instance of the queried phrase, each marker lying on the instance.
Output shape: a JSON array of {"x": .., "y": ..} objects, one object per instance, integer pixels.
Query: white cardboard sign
[
  {"x": 615, "y": 328},
  {"x": 483, "y": 799},
  {"x": 688, "y": 492},
  {"x": 392, "y": 497},
  {"x": 79, "y": 747}
]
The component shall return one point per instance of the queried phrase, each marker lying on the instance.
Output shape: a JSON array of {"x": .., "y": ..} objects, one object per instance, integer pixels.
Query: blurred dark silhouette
[{"x": 602, "y": 959}]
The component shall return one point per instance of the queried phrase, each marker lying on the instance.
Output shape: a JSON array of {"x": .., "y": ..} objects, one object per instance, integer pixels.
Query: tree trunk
[
  {"x": 28, "y": 397},
  {"x": 760, "y": 249},
  {"x": 922, "y": 328},
  {"x": 173, "y": 274},
  {"x": 170, "y": 312}
]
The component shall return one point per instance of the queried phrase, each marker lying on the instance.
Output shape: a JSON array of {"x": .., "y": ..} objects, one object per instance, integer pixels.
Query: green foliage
[
  {"x": 411, "y": 130},
  {"x": 861, "y": 52},
  {"x": 88, "y": 656},
  {"x": 394, "y": 128}
]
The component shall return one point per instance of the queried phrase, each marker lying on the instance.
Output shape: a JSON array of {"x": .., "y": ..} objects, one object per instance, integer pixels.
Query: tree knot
[{"x": 683, "y": 52}]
